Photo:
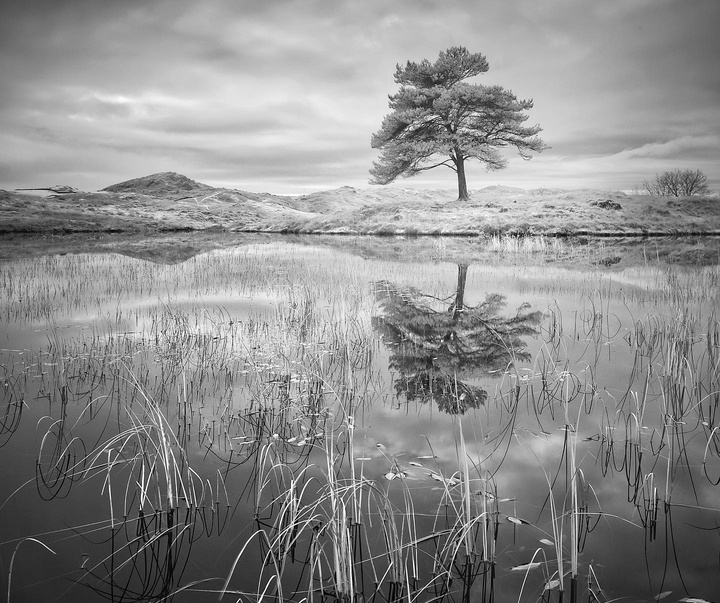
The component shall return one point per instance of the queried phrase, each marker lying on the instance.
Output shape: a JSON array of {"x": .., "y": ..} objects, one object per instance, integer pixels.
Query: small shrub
[{"x": 678, "y": 183}]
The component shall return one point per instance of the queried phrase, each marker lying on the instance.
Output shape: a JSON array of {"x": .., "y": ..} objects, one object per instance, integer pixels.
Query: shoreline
[{"x": 172, "y": 247}]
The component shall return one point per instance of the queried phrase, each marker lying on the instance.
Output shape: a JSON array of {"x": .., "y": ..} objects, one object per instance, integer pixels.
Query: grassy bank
[{"x": 136, "y": 207}]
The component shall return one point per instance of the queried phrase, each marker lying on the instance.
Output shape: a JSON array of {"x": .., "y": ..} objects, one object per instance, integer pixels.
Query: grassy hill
[{"x": 171, "y": 202}]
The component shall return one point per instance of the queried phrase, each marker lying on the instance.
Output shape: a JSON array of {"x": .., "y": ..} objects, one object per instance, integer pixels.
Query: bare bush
[{"x": 678, "y": 183}]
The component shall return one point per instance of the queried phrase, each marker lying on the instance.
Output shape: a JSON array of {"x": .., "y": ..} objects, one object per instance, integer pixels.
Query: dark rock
[{"x": 607, "y": 204}]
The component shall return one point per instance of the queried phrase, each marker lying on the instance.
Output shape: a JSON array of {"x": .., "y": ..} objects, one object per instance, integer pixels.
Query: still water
[{"x": 349, "y": 419}]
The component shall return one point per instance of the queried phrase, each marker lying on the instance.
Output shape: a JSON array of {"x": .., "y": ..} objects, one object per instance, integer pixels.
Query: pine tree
[{"x": 439, "y": 119}]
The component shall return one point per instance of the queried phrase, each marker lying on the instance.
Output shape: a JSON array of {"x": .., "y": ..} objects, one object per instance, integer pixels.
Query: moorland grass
[{"x": 376, "y": 211}]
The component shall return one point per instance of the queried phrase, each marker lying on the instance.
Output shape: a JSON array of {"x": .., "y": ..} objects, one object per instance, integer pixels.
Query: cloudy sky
[{"x": 283, "y": 95}]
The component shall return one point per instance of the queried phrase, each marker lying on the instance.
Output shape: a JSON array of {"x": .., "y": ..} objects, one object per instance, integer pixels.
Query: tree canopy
[{"x": 438, "y": 119}]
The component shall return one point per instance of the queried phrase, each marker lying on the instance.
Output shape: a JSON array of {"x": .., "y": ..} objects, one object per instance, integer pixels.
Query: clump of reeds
[{"x": 518, "y": 245}]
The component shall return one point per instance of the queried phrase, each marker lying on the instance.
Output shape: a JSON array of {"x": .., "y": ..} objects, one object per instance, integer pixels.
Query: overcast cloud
[{"x": 283, "y": 96}]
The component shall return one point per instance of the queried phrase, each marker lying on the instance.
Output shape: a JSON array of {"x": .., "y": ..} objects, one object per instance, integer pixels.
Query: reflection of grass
[
  {"x": 647, "y": 433},
  {"x": 546, "y": 246},
  {"x": 191, "y": 396},
  {"x": 12, "y": 561}
]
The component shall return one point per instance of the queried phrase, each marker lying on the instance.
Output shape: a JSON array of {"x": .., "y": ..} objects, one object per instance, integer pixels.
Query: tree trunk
[{"x": 462, "y": 183}]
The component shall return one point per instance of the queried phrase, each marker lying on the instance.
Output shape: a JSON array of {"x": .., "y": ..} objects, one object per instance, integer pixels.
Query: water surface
[{"x": 311, "y": 418}]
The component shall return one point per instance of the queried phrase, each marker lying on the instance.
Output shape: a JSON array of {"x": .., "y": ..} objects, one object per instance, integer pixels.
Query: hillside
[
  {"x": 161, "y": 184},
  {"x": 172, "y": 202}
]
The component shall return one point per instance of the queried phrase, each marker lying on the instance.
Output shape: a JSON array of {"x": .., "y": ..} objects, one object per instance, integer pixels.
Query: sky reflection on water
[{"x": 209, "y": 351}]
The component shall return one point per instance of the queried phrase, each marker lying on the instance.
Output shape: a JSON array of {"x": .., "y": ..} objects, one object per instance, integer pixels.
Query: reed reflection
[{"x": 439, "y": 345}]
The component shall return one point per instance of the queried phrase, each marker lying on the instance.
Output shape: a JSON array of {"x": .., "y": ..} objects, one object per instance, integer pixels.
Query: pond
[{"x": 321, "y": 419}]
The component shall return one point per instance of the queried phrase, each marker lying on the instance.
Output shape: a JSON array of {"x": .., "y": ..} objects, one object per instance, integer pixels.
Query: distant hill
[{"x": 162, "y": 183}]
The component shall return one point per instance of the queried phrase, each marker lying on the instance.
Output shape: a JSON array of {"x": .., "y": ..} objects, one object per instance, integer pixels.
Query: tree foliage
[
  {"x": 678, "y": 183},
  {"x": 438, "y": 119}
]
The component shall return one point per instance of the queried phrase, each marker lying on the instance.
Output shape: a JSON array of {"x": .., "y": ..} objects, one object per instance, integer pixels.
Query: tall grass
[{"x": 208, "y": 402}]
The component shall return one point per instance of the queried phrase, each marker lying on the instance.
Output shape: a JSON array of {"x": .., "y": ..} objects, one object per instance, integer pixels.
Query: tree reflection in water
[{"x": 437, "y": 348}]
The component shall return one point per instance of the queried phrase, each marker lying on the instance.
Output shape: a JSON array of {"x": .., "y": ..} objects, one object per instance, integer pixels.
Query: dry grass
[{"x": 374, "y": 210}]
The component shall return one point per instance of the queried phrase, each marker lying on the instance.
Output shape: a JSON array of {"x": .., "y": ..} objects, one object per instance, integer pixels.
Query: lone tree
[
  {"x": 678, "y": 183},
  {"x": 438, "y": 119}
]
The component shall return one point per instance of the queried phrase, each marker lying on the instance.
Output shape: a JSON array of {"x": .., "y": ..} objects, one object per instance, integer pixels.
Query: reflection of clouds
[
  {"x": 616, "y": 546},
  {"x": 618, "y": 541},
  {"x": 140, "y": 315},
  {"x": 513, "y": 445},
  {"x": 407, "y": 438}
]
